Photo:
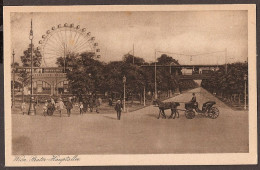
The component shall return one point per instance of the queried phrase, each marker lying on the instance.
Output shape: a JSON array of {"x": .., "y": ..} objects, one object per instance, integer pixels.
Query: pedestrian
[
  {"x": 23, "y": 107},
  {"x": 118, "y": 108},
  {"x": 36, "y": 101},
  {"x": 52, "y": 101},
  {"x": 60, "y": 106},
  {"x": 45, "y": 107},
  {"x": 98, "y": 104},
  {"x": 91, "y": 104},
  {"x": 81, "y": 108},
  {"x": 69, "y": 106},
  {"x": 110, "y": 102}
]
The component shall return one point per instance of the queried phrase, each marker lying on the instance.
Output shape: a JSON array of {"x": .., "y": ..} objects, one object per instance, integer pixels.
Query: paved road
[{"x": 138, "y": 132}]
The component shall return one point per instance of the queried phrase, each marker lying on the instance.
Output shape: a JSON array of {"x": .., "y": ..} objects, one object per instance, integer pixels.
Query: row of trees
[
  {"x": 227, "y": 85},
  {"x": 89, "y": 76}
]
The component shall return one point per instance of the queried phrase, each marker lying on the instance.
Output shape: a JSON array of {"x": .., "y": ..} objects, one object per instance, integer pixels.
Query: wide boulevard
[{"x": 138, "y": 132}]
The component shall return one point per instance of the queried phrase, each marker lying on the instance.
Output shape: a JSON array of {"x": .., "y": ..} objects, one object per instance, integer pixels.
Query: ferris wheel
[{"x": 66, "y": 40}]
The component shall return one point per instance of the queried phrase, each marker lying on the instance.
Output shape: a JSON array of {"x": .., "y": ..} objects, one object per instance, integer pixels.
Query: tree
[
  {"x": 15, "y": 64},
  {"x": 86, "y": 75},
  {"x": 130, "y": 59},
  {"x": 69, "y": 60},
  {"x": 26, "y": 62},
  {"x": 113, "y": 77},
  {"x": 26, "y": 58},
  {"x": 227, "y": 84},
  {"x": 167, "y": 60},
  {"x": 166, "y": 76},
  {"x": 23, "y": 77},
  {"x": 135, "y": 76}
]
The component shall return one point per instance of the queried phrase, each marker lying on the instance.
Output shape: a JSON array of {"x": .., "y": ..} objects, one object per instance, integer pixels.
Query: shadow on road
[
  {"x": 152, "y": 115},
  {"x": 108, "y": 117}
]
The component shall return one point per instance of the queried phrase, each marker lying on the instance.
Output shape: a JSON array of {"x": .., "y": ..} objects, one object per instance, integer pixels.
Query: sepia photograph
[{"x": 85, "y": 85}]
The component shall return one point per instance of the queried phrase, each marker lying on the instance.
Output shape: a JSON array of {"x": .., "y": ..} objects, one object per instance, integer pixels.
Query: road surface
[{"x": 138, "y": 132}]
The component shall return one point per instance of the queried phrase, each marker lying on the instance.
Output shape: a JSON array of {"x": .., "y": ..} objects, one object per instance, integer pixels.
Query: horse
[{"x": 167, "y": 105}]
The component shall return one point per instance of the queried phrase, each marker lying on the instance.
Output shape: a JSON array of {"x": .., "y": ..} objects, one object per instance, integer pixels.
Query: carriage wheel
[
  {"x": 213, "y": 113},
  {"x": 190, "y": 114}
]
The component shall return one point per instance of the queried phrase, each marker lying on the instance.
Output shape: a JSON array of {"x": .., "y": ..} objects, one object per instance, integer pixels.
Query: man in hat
[
  {"x": 69, "y": 106},
  {"x": 193, "y": 99},
  {"x": 118, "y": 108}
]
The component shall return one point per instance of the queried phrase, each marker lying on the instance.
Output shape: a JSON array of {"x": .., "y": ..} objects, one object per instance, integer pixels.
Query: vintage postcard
[{"x": 130, "y": 85}]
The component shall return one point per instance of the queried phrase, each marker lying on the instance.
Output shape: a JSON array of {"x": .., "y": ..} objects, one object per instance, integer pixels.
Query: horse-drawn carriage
[{"x": 207, "y": 109}]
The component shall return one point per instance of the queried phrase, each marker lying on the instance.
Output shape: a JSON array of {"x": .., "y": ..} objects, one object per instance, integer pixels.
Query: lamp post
[
  {"x": 245, "y": 79},
  {"x": 133, "y": 54},
  {"x": 155, "y": 83},
  {"x": 13, "y": 101},
  {"x": 144, "y": 96},
  {"x": 170, "y": 92},
  {"x": 124, "y": 81},
  {"x": 31, "y": 107},
  {"x": 225, "y": 60}
]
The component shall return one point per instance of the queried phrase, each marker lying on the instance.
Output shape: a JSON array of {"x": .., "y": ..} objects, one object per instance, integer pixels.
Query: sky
[{"x": 181, "y": 32}]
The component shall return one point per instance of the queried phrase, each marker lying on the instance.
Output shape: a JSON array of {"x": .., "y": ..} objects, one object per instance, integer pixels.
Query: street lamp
[
  {"x": 245, "y": 79},
  {"x": 124, "y": 81},
  {"x": 155, "y": 83},
  {"x": 13, "y": 101},
  {"x": 170, "y": 92},
  {"x": 31, "y": 107}
]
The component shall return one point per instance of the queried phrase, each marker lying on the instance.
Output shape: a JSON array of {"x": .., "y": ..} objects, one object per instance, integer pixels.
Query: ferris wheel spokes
[
  {"x": 54, "y": 48},
  {"x": 58, "y": 40},
  {"x": 59, "y": 51},
  {"x": 52, "y": 44},
  {"x": 79, "y": 40},
  {"x": 65, "y": 40},
  {"x": 82, "y": 47},
  {"x": 60, "y": 37}
]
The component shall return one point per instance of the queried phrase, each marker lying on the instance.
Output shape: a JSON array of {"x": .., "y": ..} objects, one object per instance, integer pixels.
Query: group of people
[
  {"x": 89, "y": 104},
  {"x": 59, "y": 106},
  {"x": 85, "y": 105}
]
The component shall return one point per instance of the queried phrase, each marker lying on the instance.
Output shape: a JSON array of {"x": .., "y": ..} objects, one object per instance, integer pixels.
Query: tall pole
[
  {"x": 13, "y": 101},
  {"x": 226, "y": 60},
  {"x": 170, "y": 91},
  {"x": 133, "y": 54},
  {"x": 124, "y": 81},
  {"x": 155, "y": 83},
  {"x": 245, "y": 78},
  {"x": 31, "y": 108},
  {"x": 144, "y": 96},
  {"x": 64, "y": 57},
  {"x": 124, "y": 97}
]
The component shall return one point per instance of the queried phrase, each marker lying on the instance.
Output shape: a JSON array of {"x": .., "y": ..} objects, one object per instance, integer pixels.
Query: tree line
[
  {"x": 88, "y": 76},
  {"x": 230, "y": 84}
]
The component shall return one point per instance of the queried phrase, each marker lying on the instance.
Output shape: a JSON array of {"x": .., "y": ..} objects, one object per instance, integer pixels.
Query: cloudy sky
[{"x": 184, "y": 32}]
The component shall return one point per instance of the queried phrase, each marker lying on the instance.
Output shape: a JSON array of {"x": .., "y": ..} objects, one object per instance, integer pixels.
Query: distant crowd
[{"x": 86, "y": 104}]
